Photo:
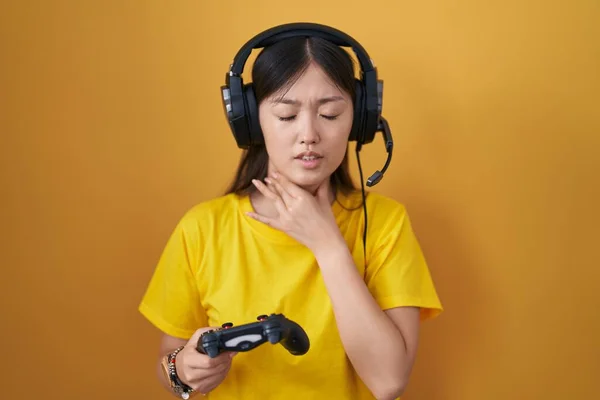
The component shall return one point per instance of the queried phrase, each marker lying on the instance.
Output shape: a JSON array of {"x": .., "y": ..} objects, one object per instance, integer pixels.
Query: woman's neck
[{"x": 264, "y": 206}]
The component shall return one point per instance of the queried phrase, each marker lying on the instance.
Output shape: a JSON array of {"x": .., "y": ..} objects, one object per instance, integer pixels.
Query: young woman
[{"x": 287, "y": 238}]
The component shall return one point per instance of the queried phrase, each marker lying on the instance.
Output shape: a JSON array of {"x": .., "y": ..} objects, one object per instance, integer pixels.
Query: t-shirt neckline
[{"x": 274, "y": 234}]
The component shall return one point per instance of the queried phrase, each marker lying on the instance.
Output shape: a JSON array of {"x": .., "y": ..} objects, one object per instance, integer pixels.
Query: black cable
[{"x": 364, "y": 201}]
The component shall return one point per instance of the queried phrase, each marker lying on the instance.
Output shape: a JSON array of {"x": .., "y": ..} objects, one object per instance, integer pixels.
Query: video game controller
[{"x": 275, "y": 328}]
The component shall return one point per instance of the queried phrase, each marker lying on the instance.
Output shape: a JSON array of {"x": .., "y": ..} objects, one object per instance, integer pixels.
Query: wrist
[
  {"x": 334, "y": 248},
  {"x": 169, "y": 367}
]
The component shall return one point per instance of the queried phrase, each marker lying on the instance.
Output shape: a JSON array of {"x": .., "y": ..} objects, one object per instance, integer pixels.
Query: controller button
[
  {"x": 227, "y": 325},
  {"x": 262, "y": 317}
]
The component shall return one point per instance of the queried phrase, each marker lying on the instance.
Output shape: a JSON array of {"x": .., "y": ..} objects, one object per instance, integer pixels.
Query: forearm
[{"x": 374, "y": 344}]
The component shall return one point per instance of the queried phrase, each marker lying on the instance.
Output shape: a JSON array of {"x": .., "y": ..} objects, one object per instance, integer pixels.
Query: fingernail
[
  {"x": 275, "y": 175},
  {"x": 267, "y": 180}
]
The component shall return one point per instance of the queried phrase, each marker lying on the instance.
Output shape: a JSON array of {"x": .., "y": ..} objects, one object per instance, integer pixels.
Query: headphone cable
[{"x": 364, "y": 202}]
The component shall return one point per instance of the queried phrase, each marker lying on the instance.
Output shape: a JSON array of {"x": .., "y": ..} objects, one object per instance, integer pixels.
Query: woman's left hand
[{"x": 306, "y": 217}]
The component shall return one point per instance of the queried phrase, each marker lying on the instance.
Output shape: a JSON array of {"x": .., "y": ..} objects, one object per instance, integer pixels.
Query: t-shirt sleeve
[
  {"x": 171, "y": 301},
  {"x": 397, "y": 273}
]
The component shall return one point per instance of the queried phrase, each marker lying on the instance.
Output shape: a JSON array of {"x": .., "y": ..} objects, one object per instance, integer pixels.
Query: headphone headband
[{"x": 299, "y": 29}]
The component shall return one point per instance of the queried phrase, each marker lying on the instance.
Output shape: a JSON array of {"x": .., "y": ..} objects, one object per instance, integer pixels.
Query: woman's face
[{"x": 306, "y": 131}]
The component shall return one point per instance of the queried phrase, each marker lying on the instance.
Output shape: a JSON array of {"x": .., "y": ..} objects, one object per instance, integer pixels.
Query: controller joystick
[{"x": 275, "y": 328}]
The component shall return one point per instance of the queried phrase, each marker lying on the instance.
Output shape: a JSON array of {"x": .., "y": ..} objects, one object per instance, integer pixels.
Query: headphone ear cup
[
  {"x": 373, "y": 104},
  {"x": 254, "y": 130},
  {"x": 234, "y": 104},
  {"x": 356, "y": 134}
]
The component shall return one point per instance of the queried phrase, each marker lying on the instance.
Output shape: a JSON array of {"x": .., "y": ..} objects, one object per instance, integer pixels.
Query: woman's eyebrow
[{"x": 294, "y": 102}]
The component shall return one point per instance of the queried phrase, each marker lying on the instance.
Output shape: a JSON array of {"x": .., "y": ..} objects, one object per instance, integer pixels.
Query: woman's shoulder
[
  {"x": 216, "y": 204},
  {"x": 383, "y": 201},
  {"x": 377, "y": 202},
  {"x": 385, "y": 214},
  {"x": 216, "y": 208}
]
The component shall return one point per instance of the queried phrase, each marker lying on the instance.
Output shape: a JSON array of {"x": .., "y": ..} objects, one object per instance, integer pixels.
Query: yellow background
[{"x": 112, "y": 126}]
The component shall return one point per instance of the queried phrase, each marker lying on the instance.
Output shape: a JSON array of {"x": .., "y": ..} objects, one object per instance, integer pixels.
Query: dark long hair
[{"x": 276, "y": 68}]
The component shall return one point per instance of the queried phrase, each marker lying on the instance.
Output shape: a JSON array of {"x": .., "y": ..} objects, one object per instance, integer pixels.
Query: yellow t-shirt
[{"x": 220, "y": 265}]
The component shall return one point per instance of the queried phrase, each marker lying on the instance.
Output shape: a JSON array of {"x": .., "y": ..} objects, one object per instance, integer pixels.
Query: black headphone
[{"x": 241, "y": 109}]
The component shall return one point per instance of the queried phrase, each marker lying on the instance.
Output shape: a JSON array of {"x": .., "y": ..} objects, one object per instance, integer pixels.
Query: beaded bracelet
[{"x": 177, "y": 385}]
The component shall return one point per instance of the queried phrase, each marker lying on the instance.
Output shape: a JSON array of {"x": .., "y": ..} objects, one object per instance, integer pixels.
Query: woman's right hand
[{"x": 198, "y": 370}]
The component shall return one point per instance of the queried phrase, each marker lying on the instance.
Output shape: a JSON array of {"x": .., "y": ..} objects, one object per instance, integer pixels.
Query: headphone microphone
[{"x": 388, "y": 142}]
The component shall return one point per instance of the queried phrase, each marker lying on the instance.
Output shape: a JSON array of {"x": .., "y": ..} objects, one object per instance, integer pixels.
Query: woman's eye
[{"x": 292, "y": 117}]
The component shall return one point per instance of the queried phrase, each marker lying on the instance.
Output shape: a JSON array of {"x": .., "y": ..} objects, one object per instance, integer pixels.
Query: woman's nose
[{"x": 309, "y": 134}]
